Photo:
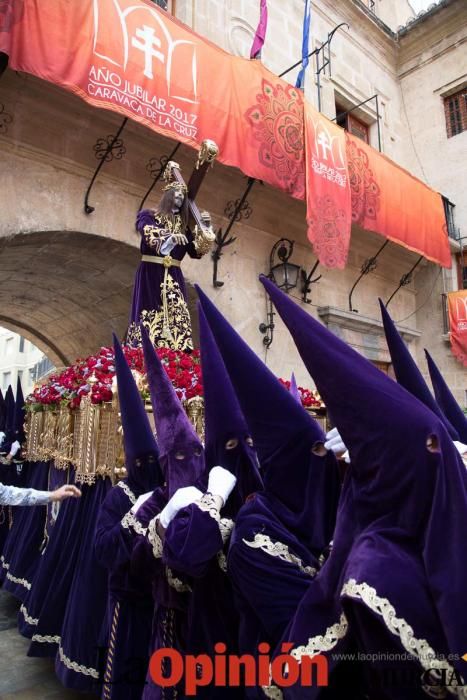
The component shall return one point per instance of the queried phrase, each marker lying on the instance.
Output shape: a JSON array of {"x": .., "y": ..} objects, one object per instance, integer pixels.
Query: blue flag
[{"x": 305, "y": 43}]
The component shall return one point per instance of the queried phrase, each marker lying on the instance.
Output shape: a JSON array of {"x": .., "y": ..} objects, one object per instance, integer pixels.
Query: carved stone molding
[{"x": 363, "y": 333}]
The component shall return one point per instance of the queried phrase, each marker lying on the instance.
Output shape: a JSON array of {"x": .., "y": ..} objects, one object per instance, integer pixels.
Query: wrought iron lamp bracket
[
  {"x": 155, "y": 168},
  {"x": 404, "y": 280},
  {"x": 307, "y": 281},
  {"x": 236, "y": 211},
  {"x": 105, "y": 149},
  {"x": 368, "y": 266}
]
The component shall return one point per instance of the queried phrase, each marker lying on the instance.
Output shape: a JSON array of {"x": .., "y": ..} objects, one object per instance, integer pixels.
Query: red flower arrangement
[
  {"x": 95, "y": 375},
  {"x": 310, "y": 399}
]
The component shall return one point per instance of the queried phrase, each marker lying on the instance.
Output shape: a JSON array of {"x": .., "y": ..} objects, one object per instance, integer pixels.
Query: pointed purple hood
[
  {"x": 228, "y": 438},
  {"x": 293, "y": 389},
  {"x": 2, "y": 413},
  {"x": 407, "y": 373},
  {"x": 181, "y": 452},
  {"x": 446, "y": 400},
  {"x": 10, "y": 410},
  {"x": 304, "y": 486},
  {"x": 396, "y": 480},
  {"x": 20, "y": 414},
  {"x": 141, "y": 453}
]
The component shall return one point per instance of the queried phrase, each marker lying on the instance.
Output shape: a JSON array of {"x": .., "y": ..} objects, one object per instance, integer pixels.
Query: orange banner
[
  {"x": 133, "y": 58},
  {"x": 328, "y": 191},
  {"x": 388, "y": 200},
  {"x": 457, "y": 307}
]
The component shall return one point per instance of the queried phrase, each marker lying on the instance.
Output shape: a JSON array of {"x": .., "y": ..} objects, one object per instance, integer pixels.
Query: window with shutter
[
  {"x": 455, "y": 110},
  {"x": 351, "y": 124}
]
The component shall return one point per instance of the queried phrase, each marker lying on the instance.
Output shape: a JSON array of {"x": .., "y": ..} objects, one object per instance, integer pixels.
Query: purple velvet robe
[
  {"x": 130, "y": 606},
  {"x": 171, "y": 593},
  {"x": 395, "y": 580},
  {"x": 77, "y": 659},
  {"x": 23, "y": 548},
  {"x": 147, "y": 295},
  {"x": 196, "y": 544}
]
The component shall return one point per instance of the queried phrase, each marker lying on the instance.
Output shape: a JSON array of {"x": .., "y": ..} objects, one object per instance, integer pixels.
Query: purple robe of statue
[{"x": 157, "y": 286}]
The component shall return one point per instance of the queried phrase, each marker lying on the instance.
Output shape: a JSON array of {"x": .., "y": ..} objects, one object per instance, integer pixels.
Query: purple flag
[{"x": 260, "y": 35}]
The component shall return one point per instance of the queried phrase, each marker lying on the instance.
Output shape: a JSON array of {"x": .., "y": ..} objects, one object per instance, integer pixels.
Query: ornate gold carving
[
  {"x": 97, "y": 441},
  {"x": 194, "y": 408},
  {"x": 208, "y": 153},
  {"x": 33, "y": 428},
  {"x": 48, "y": 437},
  {"x": 64, "y": 451},
  {"x": 203, "y": 239}
]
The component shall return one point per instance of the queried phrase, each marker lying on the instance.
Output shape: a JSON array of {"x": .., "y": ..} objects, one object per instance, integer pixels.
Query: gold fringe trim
[
  {"x": 420, "y": 648},
  {"x": 76, "y": 667},
  {"x": 279, "y": 550},
  {"x": 30, "y": 620}
]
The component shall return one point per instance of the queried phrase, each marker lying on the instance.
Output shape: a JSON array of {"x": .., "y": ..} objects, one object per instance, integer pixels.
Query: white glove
[
  {"x": 2, "y": 437},
  {"x": 334, "y": 442},
  {"x": 15, "y": 448},
  {"x": 461, "y": 448},
  {"x": 346, "y": 457},
  {"x": 221, "y": 483},
  {"x": 144, "y": 497},
  {"x": 182, "y": 497}
]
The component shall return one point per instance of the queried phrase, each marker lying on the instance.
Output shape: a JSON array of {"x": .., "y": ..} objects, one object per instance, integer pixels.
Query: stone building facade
[{"x": 66, "y": 276}]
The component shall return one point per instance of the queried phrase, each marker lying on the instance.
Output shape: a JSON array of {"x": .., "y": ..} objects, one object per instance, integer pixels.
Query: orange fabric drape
[
  {"x": 457, "y": 308},
  {"x": 328, "y": 191}
]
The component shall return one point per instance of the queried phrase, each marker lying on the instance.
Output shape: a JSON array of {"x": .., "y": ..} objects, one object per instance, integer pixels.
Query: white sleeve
[
  {"x": 15, "y": 448},
  {"x": 13, "y": 496}
]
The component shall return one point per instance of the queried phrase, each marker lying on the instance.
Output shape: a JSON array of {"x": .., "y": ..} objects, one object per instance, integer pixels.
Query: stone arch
[{"x": 66, "y": 291}]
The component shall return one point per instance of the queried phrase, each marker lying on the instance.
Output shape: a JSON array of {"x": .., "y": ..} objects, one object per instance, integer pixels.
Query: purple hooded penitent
[
  {"x": 446, "y": 400},
  {"x": 127, "y": 627},
  {"x": 284, "y": 436},
  {"x": 141, "y": 453},
  {"x": 181, "y": 453},
  {"x": 405, "y": 502},
  {"x": 9, "y": 420},
  {"x": 407, "y": 373},
  {"x": 227, "y": 437},
  {"x": 2, "y": 412},
  {"x": 20, "y": 414},
  {"x": 279, "y": 533}
]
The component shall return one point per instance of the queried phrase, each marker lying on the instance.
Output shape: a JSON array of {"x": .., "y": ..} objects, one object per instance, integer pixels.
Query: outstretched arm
[{"x": 13, "y": 496}]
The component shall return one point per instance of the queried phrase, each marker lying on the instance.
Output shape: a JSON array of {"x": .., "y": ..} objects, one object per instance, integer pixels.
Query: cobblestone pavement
[{"x": 22, "y": 678}]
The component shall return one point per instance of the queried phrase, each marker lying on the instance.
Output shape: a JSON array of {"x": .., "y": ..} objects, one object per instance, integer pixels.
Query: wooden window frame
[
  {"x": 455, "y": 112},
  {"x": 352, "y": 124},
  {"x": 461, "y": 284}
]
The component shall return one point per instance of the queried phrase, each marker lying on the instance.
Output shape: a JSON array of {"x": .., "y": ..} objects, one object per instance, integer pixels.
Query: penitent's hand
[{"x": 64, "y": 492}]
